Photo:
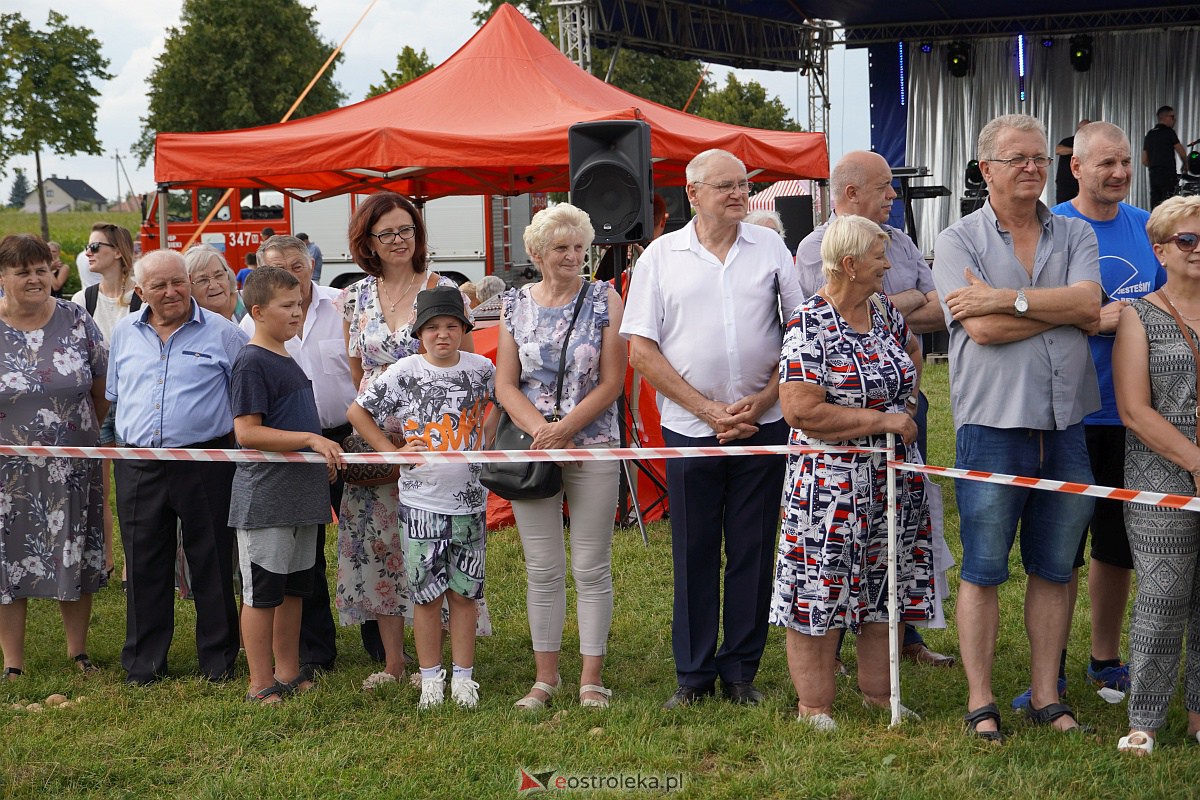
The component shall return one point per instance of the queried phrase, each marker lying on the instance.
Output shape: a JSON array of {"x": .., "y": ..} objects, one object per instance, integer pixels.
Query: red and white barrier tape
[{"x": 1179, "y": 501}]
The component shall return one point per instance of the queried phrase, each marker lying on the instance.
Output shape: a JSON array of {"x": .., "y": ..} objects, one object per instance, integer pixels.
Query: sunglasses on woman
[
  {"x": 94, "y": 247},
  {"x": 1184, "y": 241}
]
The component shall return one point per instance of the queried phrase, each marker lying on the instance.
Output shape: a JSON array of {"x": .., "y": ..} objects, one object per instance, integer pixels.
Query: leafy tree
[
  {"x": 233, "y": 64},
  {"x": 667, "y": 81},
  {"x": 20, "y": 189},
  {"x": 747, "y": 104},
  {"x": 409, "y": 65},
  {"x": 47, "y": 99}
]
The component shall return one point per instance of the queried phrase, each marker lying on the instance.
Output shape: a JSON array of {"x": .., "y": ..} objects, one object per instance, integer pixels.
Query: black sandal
[
  {"x": 1047, "y": 714},
  {"x": 263, "y": 696},
  {"x": 13, "y": 672},
  {"x": 85, "y": 664},
  {"x": 973, "y": 718}
]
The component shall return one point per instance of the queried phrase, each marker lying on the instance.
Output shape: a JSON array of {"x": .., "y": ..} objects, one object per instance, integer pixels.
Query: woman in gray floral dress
[{"x": 53, "y": 362}]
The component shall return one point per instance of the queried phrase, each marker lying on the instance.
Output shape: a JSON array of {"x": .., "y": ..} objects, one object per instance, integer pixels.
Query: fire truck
[{"x": 469, "y": 236}]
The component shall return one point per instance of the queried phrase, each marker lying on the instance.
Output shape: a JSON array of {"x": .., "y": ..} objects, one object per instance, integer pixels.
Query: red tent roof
[{"x": 492, "y": 119}]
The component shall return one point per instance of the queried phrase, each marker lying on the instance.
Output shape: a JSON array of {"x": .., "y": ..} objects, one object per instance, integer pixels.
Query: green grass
[
  {"x": 185, "y": 738},
  {"x": 70, "y": 229}
]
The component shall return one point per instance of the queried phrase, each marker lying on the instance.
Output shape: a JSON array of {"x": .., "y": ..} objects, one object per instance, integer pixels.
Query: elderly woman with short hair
[
  {"x": 849, "y": 373},
  {"x": 214, "y": 284},
  {"x": 536, "y": 319},
  {"x": 53, "y": 363}
]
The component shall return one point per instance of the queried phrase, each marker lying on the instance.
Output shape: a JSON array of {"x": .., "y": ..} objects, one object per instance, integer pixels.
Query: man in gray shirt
[
  {"x": 861, "y": 184},
  {"x": 1021, "y": 290}
]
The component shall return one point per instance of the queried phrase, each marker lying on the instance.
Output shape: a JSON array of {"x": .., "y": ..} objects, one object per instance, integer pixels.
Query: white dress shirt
[
  {"x": 321, "y": 353},
  {"x": 718, "y": 325}
]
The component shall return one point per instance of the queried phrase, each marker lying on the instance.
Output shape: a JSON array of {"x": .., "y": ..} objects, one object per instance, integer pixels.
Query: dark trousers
[
  {"x": 1162, "y": 187},
  {"x": 729, "y": 504},
  {"x": 152, "y": 498}
]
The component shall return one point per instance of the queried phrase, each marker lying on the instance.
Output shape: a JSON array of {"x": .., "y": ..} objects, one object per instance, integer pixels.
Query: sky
[{"x": 132, "y": 35}]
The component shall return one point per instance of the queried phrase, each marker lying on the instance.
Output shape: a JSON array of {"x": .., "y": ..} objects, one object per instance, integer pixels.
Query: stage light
[
  {"x": 1021, "y": 65},
  {"x": 1047, "y": 41},
  {"x": 926, "y": 48},
  {"x": 974, "y": 179},
  {"x": 1081, "y": 53},
  {"x": 958, "y": 61}
]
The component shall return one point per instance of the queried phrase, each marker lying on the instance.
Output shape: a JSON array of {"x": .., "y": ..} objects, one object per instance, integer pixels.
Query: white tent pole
[{"x": 893, "y": 610}]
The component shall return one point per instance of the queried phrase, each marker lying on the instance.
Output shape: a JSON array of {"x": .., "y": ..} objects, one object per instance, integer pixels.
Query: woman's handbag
[
  {"x": 370, "y": 474},
  {"x": 529, "y": 480}
]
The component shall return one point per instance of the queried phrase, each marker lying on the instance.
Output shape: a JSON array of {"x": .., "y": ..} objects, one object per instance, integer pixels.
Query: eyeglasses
[
  {"x": 387, "y": 237},
  {"x": 203, "y": 282},
  {"x": 94, "y": 247},
  {"x": 1185, "y": 241},
  {"x": 728, "y": 187},
  {"x": 1021, "y": 162}
]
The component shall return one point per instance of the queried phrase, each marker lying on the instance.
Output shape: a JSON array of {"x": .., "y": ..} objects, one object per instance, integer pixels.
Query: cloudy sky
[{"x": 132, "y": 32}]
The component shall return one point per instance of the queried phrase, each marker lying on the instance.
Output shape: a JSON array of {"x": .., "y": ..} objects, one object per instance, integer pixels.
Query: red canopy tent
[{"x": 491, "y": 119}]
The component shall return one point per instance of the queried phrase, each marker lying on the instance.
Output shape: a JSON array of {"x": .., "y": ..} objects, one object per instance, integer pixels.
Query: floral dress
[
  {"x": 51, "y": 520},
  {"x": 832, "y": 565},
  {"x": 370, "y": 576}
]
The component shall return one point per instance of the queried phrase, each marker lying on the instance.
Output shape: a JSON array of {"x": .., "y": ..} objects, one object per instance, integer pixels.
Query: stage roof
[{"x": 779, "y": 34}]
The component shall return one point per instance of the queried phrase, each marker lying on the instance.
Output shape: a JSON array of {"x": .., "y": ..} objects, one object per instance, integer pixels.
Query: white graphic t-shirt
[{"x": 445, "y": 407}]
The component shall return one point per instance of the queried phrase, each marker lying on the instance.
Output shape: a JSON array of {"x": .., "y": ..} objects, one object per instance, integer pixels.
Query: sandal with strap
[
  {"x": 594, "y": 702},
  {"x": 973, "y": 718},
  {"x": 12, "y": 673},
  {"x": 1047, "y": 714},
  {"x": 263, "y": 696},
  {"x": 531, "y": 703},
  {"x": 85, "y": 664},
  {"x": 1139, "y": 743}
]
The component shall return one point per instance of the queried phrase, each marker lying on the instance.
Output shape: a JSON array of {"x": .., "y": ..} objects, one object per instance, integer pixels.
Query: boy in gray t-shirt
[{"x": 276, "y": 508}]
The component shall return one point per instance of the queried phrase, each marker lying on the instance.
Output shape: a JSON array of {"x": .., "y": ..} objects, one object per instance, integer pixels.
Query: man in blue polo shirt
[{"x": 169, "y": 367}]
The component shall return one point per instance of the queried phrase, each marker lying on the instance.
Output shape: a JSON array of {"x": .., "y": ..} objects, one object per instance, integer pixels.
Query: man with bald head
[
  {"x": 861, "y": 184},
  {"x": 1103, "y": 165},
  {"x": 169, "y": 367}
]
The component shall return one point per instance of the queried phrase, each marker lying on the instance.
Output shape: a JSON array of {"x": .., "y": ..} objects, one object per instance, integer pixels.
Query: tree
[
  {"x": 20, "y": 189},
  {"x": 233, "y": 64},
  {"x": 409, "y": 65},
  {"x": 747, "y": 104},
  {"x": 47, "y": 99}
]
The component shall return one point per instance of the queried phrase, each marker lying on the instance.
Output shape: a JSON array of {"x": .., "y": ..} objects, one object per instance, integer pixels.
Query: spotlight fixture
[
  {"x": 958, "y": 61},
  {"x": 974, "y": 179},
  {"x": 1081, "y": 52},
  {"x": 1047, "y": 41},
  {"x": 926, "y": 48}
]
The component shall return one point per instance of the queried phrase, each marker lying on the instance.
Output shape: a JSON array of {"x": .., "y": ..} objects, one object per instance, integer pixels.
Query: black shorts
[{"x": 1110, "y": 543}]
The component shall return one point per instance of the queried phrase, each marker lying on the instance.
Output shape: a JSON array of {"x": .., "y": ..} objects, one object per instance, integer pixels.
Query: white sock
[
  {"x": 431, "y": 673},
  {"x": 463, "y": 672}
]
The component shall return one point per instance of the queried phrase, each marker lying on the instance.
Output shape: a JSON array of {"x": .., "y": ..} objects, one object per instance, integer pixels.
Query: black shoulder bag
[{"x": 529, "y": 480}]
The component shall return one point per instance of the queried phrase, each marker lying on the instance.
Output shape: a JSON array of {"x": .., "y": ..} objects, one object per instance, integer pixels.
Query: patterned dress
[
  {"x": 1165, "y": 542},
  {"x": 370, "y": 577},
  {"x": 832, "y": 565},
  {"x": 51, "y": 521}
]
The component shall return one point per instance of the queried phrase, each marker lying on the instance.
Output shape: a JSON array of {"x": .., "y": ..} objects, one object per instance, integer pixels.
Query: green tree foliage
[
  {"x": 232, "y": 64},
  {"x": 409, "y": 65},
  {"x": 20, "y": 189},
  {"x": 667, "y": 81},
  {"x": 47, "y": 99},
  {"x": 747, "y": 104}
]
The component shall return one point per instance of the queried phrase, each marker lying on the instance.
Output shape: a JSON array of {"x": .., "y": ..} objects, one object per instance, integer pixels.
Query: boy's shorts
[
  {"x": 276, "y": 562},
  {"x": 443, "y": 551}
]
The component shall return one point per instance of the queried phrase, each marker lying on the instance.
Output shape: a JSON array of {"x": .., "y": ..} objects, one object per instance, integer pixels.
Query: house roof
[{"x": 78, "y": 190}]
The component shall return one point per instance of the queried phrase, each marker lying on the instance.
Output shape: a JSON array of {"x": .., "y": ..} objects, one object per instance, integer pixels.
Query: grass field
[
  {"x": 70, "y": 229},
  {"x": 185, "y": 738}
]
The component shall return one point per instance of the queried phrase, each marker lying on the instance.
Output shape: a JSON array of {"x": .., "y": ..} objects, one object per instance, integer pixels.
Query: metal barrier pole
[{"x": 893, "y": 610}]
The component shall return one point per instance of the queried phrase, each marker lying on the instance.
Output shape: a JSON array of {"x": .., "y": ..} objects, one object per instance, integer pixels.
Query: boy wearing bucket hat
[{"x": 440, "y": 395}]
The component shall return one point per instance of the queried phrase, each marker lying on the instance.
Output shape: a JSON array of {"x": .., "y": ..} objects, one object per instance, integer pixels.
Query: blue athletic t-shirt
[{"x": 1128, "y": 270}]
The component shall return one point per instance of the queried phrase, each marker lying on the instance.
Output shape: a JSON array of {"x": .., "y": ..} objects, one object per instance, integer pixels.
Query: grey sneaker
[
  {"x": 433, "y": 690},
  {"x": 465, "y": 692}
]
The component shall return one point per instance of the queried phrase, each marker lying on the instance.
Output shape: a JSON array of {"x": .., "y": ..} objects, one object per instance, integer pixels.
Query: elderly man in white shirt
[
  {"x": 320, "y": 350},
  {"x": 703, "y": 321}
]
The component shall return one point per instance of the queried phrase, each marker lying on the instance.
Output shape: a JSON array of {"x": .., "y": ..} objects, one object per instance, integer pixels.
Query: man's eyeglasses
[
  {"x": 387, "y": 237},
  {"x": 1021, "y": 162},
  {"x": 94, "y": 247},
  {"x": 1185, "y": 241},
  {"x": 728, "y": 187}
]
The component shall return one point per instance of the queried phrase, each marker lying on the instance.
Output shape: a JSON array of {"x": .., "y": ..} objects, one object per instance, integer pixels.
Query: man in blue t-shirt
[{"x": 1128, "y": 270}]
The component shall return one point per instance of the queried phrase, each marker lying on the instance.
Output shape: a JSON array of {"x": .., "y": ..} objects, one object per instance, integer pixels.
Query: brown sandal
[{"x": 85, "y": 664}]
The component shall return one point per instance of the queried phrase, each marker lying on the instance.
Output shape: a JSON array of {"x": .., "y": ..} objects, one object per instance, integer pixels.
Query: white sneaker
[
  {"x": 465, "y": 692},
  {"x": 433, "y": 690}
]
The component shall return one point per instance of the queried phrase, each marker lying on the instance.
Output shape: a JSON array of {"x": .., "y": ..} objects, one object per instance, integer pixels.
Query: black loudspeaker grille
[
  {"x": 612, "y": 198},
  {"x": 611, "y": 178}
]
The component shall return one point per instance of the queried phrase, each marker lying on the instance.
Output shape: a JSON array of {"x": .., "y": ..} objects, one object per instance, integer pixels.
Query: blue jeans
[{"x": 1052, "y": 523}]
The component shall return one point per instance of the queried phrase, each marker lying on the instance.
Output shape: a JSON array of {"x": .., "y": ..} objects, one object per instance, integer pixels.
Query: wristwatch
[{"x": 1021, "y": 305}]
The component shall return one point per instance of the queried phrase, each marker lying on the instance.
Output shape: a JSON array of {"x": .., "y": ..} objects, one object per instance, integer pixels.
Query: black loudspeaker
[
  {"x": 679, "y": 210},
  {"x": 611, "y": 178},
  {"x": 797, "y": 215}
]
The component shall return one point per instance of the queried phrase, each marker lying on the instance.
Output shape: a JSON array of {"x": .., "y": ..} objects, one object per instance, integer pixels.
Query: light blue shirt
[{"x": 173, "y": 393}]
